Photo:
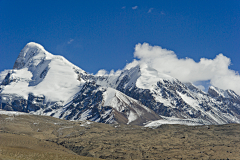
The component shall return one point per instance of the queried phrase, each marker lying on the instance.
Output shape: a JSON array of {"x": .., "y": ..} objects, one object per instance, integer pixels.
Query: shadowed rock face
[
  {"x": 15, "y": 103},
  {"x": 126, "y": 98}
]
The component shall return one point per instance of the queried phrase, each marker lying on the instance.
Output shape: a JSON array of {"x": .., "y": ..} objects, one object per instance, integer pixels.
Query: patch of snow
[
  {"x": 132, "y": 117},
  {"x": 20, "y": 85},
  {"x": 171, "y": 120},
  {"x": 166, "y": 102},
  {"x": 85, "y": 123},
  {"x": 3, "y": 74},
  {"x": 192, "y": 102},
  {"x": 11, "y": 113},
  {"x": 109, "y": 95}
]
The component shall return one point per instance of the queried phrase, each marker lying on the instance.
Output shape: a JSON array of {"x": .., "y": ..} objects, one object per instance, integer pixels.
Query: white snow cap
[
  {"x": 39, "y": 72},
  {"x": 31, "y": 50}
]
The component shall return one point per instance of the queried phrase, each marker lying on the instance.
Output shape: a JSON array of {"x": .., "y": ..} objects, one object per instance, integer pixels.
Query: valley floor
[{"x": 43, "y": 137}]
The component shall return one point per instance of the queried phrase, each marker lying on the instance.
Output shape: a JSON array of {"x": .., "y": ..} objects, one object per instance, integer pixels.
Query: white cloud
[
  {"x": 102, "y": 72},
  {"x": 135, "y": 7},
  {"x": 187, "y": 70},
  {"x": 123, "y": 7},
  {"x": 150, "y": 10},
  {"x": 70, "y": 41}
]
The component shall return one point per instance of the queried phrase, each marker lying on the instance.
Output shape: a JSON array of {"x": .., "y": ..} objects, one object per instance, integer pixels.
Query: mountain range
[{"x": 45, "y": 84}]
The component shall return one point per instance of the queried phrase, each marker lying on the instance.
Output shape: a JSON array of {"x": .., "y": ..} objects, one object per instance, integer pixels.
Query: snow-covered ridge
[
  {"x": 46, "y": 84},
  {"x": 38, "y": 72},
  {"x": 31, "y": 55}
]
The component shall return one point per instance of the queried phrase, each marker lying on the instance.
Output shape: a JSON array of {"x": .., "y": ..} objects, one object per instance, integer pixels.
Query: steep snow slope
[{"x": 40, "y": 73}]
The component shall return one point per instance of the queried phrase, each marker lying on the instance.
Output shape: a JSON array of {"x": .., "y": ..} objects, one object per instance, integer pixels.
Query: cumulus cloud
[
  {"x": 187, "y": 70},
  {"x": 135, "y": 7},
  {"x": 150, "y": 10},
  {"x": 102, "y": 72}
]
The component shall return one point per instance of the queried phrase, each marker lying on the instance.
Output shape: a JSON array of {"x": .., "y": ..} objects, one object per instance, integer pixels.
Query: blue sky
[{"x": 98, "y": 34}]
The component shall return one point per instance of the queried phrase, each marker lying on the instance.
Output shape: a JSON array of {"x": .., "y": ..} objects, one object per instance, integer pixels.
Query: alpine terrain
[{"x": 46, "y": 84}]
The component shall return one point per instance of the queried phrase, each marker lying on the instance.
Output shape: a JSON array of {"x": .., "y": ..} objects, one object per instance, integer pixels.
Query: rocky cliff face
[{"x": 44, "y": 84}]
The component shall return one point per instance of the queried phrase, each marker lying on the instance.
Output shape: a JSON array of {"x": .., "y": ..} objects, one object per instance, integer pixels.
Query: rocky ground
[{"x": 43, "y": 137}]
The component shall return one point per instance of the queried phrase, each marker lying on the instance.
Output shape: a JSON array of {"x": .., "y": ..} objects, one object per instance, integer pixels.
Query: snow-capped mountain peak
[
  {"x": 149, "y": 77},
  {"x": 38, "y": 72},
  {"x": 31, "y": 55},
  {"x": 47, "y": 84}
]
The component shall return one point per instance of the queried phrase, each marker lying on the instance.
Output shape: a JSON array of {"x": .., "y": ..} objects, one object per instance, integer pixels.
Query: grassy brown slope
[
  {"x": 122, "y": 141},
  {"x": 13, "y": 146},
  {"x": 20, "y": 139}
]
